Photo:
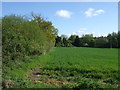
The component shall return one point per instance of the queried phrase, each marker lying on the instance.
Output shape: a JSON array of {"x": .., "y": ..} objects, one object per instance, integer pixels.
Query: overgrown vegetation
[{"x": 22, "y": 37}]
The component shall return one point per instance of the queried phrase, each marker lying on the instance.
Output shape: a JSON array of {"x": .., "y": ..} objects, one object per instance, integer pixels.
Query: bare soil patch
[{"x": 34, "y": 76}]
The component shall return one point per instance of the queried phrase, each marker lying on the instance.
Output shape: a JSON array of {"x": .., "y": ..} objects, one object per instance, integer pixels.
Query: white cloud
[
  {"x": 92, "y": 12},
  {"x": 82, "y": 31},
  {"x": 79, "y": 32},
  {"x": 63, "y": 14},
  {"x": 74, "y": 33},
  {"x": 98, "y": 12},
  {"x": 89, "y": 12}
]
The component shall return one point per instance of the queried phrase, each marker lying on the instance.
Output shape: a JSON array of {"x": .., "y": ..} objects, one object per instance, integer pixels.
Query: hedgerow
[{"x": 22, "y": 37}]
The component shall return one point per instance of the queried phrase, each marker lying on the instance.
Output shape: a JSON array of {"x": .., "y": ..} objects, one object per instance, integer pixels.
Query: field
[{"x": 68, "y": 67}]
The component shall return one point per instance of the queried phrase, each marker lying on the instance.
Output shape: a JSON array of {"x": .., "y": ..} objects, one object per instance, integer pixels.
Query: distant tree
[
  {"x": 88, "y": 40},
  {"x": 69, "y": 44},
  {"x": 58, "y": 41},
  {"x": 64, "y": 36},
  {"x": 101, "y": 42},
  {"x": 110, "y": 40},
  {"x": 72, "y": 39},
  {"x": 62, "y": 41},
  {"x": 65, "y": 42},
  {"x": 82, "y": 42},
  {"x": 113, "y": 40},
  {"x": 77, "y": 41},
  {"x": 91, "y": 43}
]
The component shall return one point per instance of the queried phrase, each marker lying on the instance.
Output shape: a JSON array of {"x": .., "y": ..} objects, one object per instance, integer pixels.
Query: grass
[
  {"x": 69, "y": 67},
  {"x": 18, "y": 72},
  {"x": 89, "y": 58}
]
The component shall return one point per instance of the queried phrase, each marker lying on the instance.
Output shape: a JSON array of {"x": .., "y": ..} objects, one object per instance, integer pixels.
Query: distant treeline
[
  {"x": 25, "y": 37},
  {"x": 110, "y": 41}
]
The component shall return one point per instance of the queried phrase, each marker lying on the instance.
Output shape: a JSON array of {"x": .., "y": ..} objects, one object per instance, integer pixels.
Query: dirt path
[{"x": 35, "y": 76}]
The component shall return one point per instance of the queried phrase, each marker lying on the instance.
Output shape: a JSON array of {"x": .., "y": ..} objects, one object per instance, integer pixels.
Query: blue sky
[{"x": 98, "y": 18}]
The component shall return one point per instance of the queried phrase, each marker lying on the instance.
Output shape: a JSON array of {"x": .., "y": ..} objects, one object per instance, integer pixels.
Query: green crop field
[{"x": 70, "y": 67}]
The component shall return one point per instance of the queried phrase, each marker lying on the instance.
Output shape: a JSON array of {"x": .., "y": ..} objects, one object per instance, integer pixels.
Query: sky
[
  {"x": 60, "y": 0},
  {"x": 97, "y": 18}
]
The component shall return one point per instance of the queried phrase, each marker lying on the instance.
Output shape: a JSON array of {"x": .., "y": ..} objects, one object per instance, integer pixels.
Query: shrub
[{"x": 22, "y": 37}]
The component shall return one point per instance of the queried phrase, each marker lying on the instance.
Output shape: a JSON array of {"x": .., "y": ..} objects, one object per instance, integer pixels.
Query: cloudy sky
[{"x": 97, "y": 18}]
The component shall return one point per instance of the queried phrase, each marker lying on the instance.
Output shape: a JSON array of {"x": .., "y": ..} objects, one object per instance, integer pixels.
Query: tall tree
[
  {"x": 58, "y": 41},
  {"x": 77, "y": 41},
  {"x": 113, "y": 40},
  {"x": 65, "y": 42},
  {"x": 88, "y": 40},
  {"x": 72, "y": 39},
  {"x": 101, "y": 42}
]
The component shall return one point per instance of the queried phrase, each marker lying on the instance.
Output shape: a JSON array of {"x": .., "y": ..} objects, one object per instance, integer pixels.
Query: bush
[{"x": 22, "y": 37}]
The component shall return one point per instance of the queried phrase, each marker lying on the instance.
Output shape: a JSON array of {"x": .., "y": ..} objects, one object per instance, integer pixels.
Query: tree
[
  {"x": 77, "y": 41},
  {"x": 13, "y": 43},
  {"x": 65, "y": 41},
  {"x": 113, "y": 40},
  {"x": 91, "y": 43},
  {"x": 64, "y": 36},
  {"x": 101, "y": 42},
  {"x": 58, "y": 41},
  {"x": 88, "y": 40},
  {"x": 49, "y": 30},
  {"x": 72, "y": 39}
]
